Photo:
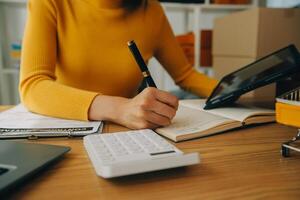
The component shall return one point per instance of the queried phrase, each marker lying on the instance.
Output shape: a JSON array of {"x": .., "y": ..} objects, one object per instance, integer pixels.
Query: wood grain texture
[{"x": 239, "y": 164}]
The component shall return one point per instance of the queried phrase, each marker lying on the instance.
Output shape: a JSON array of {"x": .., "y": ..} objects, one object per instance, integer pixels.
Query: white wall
[{"x": 12, "y": 23}]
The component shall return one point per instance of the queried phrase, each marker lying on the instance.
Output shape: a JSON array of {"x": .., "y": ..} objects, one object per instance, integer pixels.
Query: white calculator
[{"x": 133, "y": 152}]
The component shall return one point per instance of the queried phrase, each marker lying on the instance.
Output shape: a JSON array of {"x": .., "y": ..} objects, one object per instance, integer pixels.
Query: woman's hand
[{"x": 152, "y": 108}]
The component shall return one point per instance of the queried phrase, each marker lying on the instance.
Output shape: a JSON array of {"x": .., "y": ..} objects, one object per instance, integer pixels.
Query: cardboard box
[
  {"x": 243, "y": 37},
  {"x": 223, "y": 65},
  {"x": 256, "y": 32}
]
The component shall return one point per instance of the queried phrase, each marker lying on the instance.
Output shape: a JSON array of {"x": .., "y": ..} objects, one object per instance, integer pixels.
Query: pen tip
[{"x": 130, "y": 42}]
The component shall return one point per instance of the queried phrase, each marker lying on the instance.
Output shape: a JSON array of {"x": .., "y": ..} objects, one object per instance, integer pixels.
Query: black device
[
  {"x": 269, "y": 69},
  {"x": 19, "y": 161}
]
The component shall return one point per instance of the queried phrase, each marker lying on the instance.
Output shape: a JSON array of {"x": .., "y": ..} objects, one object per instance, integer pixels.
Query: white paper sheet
[{"x": 19, "y": 121}]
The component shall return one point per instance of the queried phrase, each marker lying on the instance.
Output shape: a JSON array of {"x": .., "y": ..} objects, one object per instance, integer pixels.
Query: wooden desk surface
[{"x": 240, "y": 164}]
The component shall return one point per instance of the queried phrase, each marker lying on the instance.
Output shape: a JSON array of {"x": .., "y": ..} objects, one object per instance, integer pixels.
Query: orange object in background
[
  {"x": 230, "y": 1},
  {"x": 187, "y": 42}
]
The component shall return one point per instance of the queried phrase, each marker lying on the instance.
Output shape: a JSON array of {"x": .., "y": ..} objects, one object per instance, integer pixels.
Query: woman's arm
[
  {"x": 171, "y": 56},
  {"x": 38, "y": 89}
]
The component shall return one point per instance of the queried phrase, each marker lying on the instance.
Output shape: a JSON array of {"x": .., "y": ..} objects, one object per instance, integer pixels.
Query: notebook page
[
  {"x": 188, "y": 121},
  {"x": 237, "y": 112}
]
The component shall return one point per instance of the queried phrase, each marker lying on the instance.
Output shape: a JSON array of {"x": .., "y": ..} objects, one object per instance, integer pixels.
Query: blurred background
[{"x": 217, "y": 36}]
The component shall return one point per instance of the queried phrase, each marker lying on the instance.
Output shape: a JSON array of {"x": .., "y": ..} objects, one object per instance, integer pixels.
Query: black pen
[{"x": 141, "y": 63}]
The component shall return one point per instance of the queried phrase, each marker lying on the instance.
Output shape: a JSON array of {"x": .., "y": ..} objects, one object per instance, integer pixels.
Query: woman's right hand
[{"x": 152, "y": 108}]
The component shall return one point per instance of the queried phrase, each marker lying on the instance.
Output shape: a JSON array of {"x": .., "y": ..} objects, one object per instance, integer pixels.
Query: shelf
[
  {"x": 13, "y": 1},
  {"x": 192, "y": 6}
]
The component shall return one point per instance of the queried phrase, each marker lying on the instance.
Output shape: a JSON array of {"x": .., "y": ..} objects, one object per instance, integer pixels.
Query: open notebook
[{"x": 192, "y": 121}]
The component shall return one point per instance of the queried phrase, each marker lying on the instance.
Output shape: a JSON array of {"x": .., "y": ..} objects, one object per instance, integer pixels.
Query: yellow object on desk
[
  {"x": 288, "y": 108},
  {"x": 287, "y": 112}
]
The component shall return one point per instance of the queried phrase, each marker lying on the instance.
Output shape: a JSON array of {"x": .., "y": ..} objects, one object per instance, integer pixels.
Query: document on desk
[
  {"x": 18, "y": 122},
  {"x": 192, "y": 121}
]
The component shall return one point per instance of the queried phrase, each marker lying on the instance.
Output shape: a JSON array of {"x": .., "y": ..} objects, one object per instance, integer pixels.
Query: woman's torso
[{"x": 92, "y": 52}]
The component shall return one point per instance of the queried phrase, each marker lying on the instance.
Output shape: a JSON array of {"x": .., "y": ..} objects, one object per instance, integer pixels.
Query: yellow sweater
[{"x": 74, "y": 50}]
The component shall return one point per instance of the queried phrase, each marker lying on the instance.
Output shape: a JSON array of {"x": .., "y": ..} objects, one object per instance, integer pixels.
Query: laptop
[
  {"x": 269, "y": 69},
  {"x": 19, "y": 161}
]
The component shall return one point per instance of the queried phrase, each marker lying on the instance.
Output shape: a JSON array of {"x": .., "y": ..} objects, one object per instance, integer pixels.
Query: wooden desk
[{"x": 240, "y": 164}]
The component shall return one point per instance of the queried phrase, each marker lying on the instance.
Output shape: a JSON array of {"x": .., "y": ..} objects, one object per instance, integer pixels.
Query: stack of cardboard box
[{"x": 243, "y": 37}]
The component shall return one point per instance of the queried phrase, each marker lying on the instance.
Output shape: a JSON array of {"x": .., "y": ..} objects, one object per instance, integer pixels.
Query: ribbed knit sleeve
[
  {"x": 171, "y": 56},
  {"x": 39, "y": 90}
]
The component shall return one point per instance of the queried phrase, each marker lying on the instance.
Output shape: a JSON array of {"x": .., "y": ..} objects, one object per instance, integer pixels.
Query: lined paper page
[{"x": 188, "y": 121}]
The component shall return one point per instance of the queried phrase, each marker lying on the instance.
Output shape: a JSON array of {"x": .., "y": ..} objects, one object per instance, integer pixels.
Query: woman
[{"x": 76, "y": 64}]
